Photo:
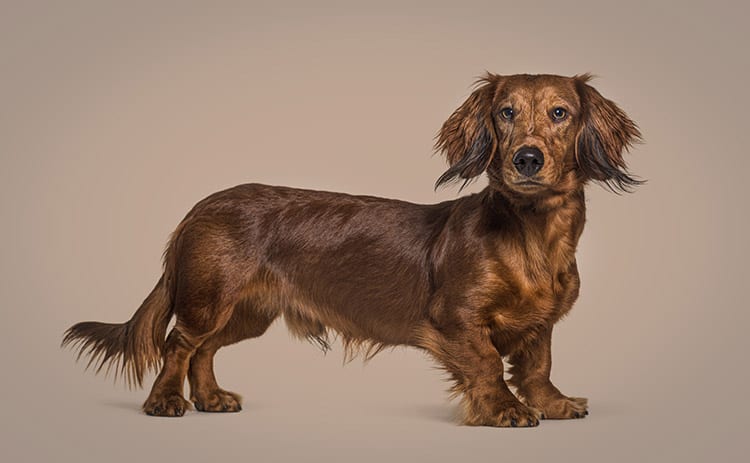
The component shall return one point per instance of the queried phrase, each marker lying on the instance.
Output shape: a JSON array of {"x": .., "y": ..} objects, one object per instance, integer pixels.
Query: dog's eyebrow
[{"x": 552, "y": 92}]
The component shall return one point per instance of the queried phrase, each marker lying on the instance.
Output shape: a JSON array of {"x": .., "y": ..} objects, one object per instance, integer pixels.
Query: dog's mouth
[
  {"x": 527, "y": 186},
  {"x": 529, "y": 183},
  {"x": 521, "y": 184}
]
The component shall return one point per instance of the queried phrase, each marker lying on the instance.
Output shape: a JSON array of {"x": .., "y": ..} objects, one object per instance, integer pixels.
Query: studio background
[{"x": 116, "y": 117}]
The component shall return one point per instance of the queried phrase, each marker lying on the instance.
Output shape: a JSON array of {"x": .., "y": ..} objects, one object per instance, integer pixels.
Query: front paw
[
  {"x": 218, "y": 400},
  {"x": 564, "y": 408},
  {"x": 518, "y": 415},
  {"x": 166, "y": 405},
  {"x": 510, "y": 415}
]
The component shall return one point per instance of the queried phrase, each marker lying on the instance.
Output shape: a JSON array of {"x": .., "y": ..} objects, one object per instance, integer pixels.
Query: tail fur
[{"x": 131, "y": 348}]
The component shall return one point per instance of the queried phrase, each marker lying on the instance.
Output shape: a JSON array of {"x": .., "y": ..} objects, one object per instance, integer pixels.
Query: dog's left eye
[{"x": 559, "y": 114}]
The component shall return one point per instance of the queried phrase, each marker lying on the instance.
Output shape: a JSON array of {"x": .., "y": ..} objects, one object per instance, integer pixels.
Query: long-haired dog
[{"x": 471, "y": 281}]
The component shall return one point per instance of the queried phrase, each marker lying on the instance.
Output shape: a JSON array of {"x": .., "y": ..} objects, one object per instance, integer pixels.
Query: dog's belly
[
  {"x": 361, "y": 303},
  {"x": 343, "y": 321}
]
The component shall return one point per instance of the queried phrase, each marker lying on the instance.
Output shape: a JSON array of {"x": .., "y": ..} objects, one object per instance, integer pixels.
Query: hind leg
[
  {"x": 192, "y": 329},
  {"x": 166, "y": 397},
  {"x": 246, "y": 322}
]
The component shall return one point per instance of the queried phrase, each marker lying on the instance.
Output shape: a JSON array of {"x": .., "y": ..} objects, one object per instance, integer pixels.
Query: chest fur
[{"x": 535, "y": 271}]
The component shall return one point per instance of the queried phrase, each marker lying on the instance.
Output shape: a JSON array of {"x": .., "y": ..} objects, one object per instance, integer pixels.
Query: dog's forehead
[{"x": 539, "y": 88}]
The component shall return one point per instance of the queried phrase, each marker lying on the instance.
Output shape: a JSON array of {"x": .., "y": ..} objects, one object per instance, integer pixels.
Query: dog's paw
[
  {"x": 518, "y": 415},
  {"x": 218, "y": 401},
  {"x": 511, "y": 415},
  {"x": 564, "y": 408},
  {"x": 168, "y": 405}
]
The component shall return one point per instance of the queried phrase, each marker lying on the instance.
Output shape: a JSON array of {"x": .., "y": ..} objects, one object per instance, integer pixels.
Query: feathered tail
[{"x": 132, "y": 347}]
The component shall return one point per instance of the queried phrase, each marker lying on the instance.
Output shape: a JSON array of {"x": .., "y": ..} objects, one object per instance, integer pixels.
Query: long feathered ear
[
  {"x": 605, "y": 133},
  {"x": 468, "y": 137}
]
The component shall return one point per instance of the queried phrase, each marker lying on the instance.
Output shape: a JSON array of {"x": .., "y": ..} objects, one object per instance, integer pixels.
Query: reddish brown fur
[{"x": 470, "y": 281}]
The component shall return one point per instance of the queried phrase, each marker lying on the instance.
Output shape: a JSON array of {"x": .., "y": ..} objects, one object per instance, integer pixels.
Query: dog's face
[{"x": 537, "y": 136}]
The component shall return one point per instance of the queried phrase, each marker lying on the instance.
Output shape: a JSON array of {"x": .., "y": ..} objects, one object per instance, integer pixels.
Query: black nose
[{"x": 528, "y": 161}]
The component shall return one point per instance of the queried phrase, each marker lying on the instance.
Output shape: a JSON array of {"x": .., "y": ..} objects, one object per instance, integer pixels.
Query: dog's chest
[{"x": 536, "y": 276}]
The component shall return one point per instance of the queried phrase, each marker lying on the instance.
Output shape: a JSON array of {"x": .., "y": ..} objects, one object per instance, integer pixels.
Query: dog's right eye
[{"x": 507, "y": 113}]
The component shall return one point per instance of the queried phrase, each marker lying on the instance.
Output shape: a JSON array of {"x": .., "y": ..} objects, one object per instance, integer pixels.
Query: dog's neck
[
  {"x": 556, "y": 220},
  {"x": 534, "y": 207}
]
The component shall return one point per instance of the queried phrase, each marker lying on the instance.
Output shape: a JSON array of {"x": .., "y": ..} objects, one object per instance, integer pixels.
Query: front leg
[
  {"x": 531, "y": 366},
  {"x": 477, "y": 368}
]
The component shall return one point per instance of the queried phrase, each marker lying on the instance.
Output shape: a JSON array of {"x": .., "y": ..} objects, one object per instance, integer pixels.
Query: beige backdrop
[{"x": 116, "y": 118}]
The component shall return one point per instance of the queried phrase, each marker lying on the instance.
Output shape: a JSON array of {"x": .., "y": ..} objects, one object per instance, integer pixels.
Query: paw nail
[
  {"x": 513, "y": 423},
  {"x": 586, "y": 413},
  {"x": 542, "y": 416},
  {"x": 576, "y": 415},
  {"x": 239, "y": 407},
  {"x": 157, "y": 410}
]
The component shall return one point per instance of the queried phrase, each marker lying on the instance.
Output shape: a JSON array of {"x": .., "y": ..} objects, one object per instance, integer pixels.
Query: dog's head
[{"x": 537, "y": 135}]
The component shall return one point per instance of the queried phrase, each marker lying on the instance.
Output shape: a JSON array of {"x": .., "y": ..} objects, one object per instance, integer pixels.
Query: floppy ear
[
  {"x": 468, "y": 137},
  {"x": 605, "y": 133}
]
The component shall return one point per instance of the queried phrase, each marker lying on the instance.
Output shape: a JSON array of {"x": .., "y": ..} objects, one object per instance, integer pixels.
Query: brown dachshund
[{"x": 470, "y": 281}]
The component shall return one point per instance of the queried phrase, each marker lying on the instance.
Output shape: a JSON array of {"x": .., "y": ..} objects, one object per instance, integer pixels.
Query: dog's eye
[
  {"x": 559, "y": 114},
  {"x": 507, "y": 113}
]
